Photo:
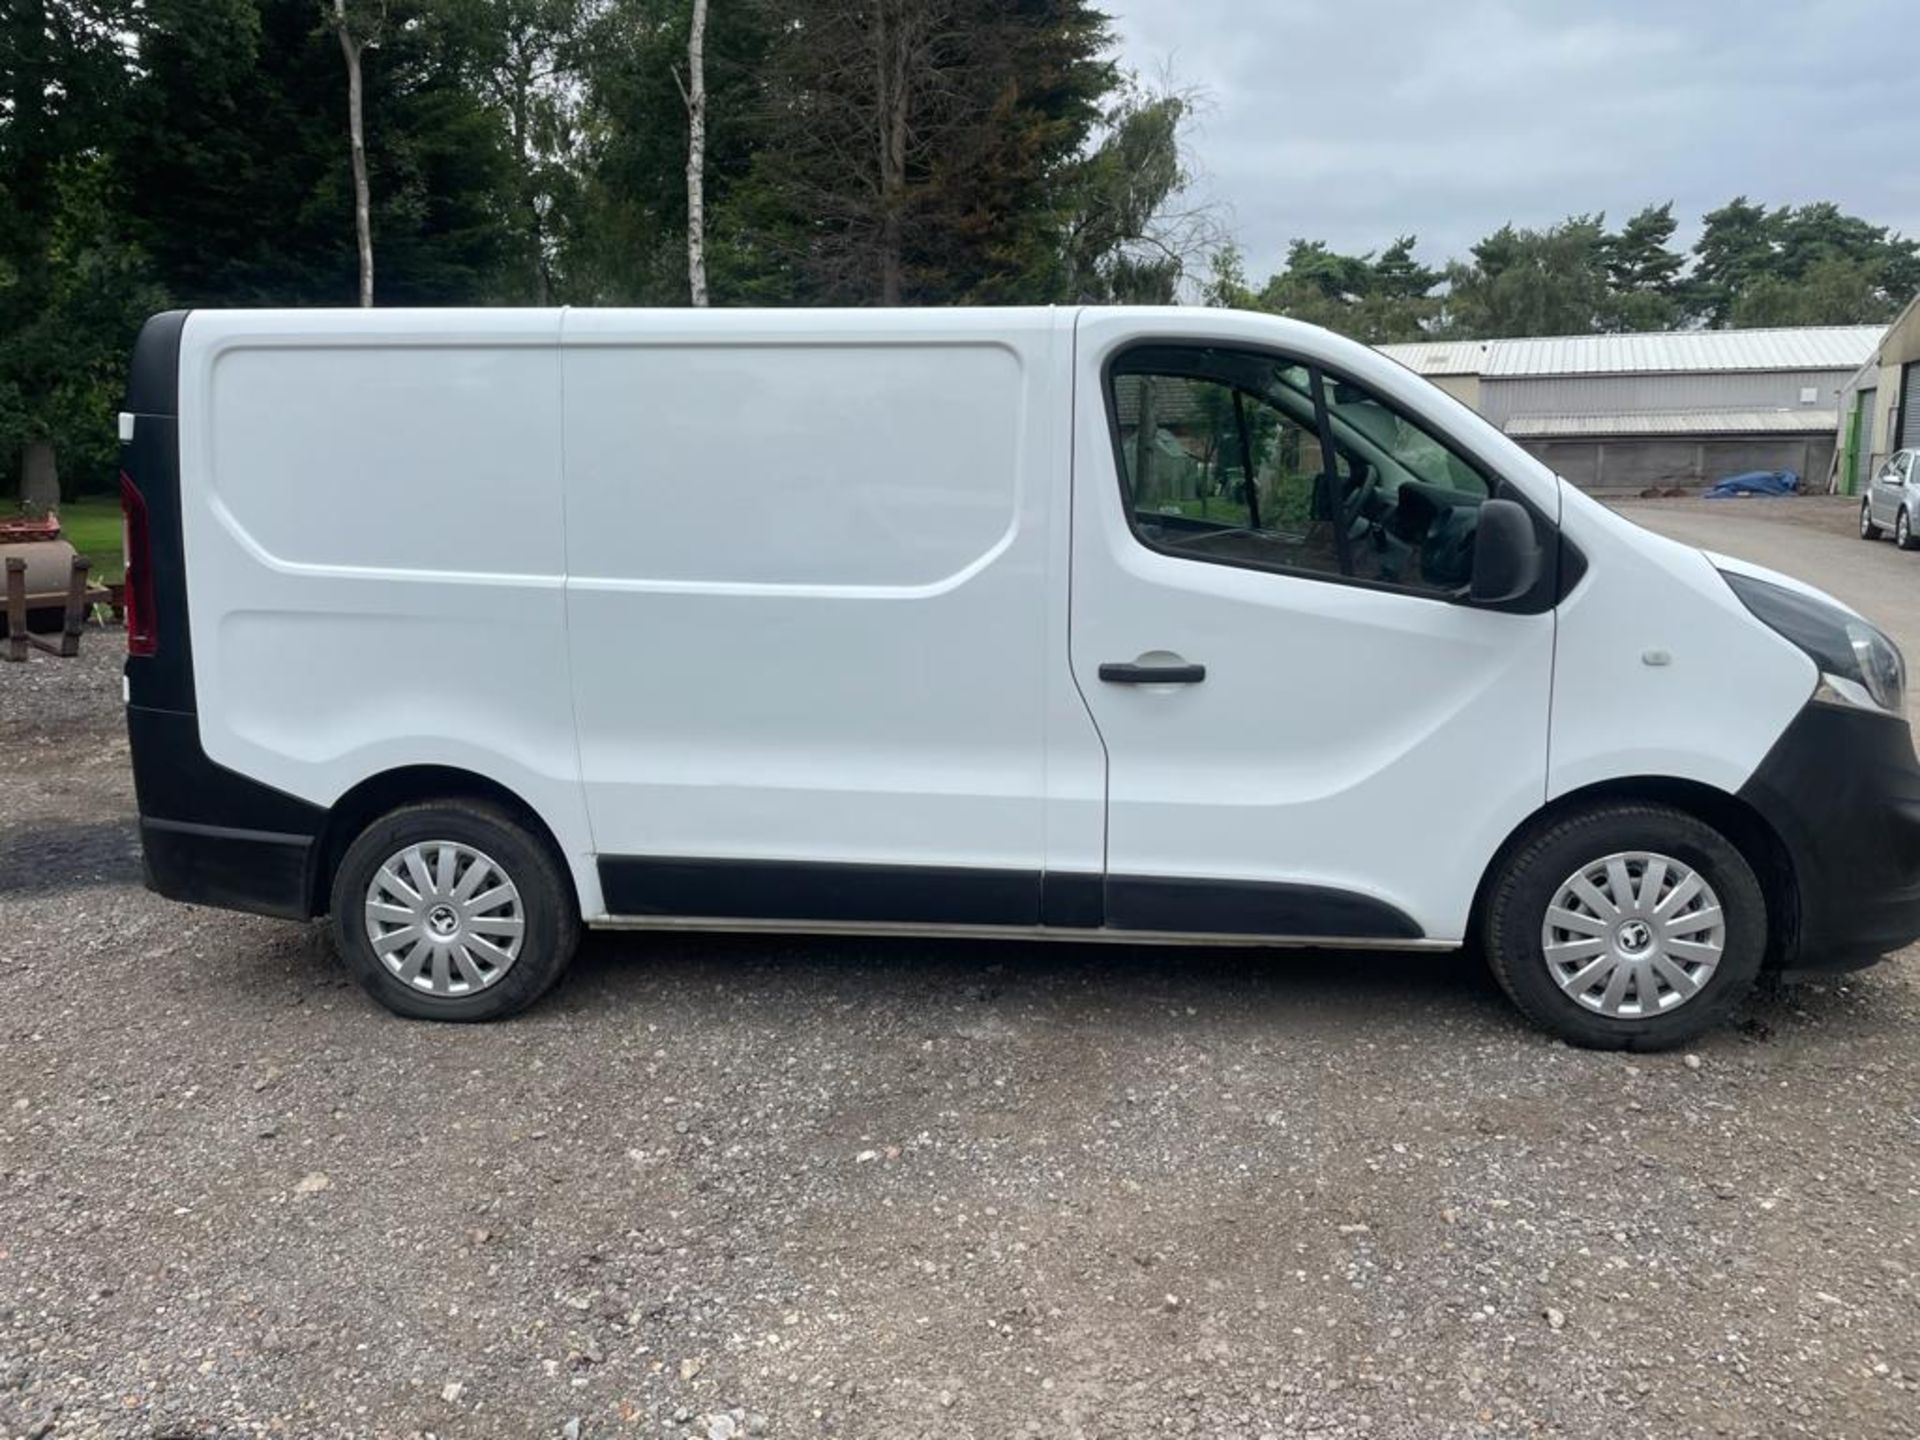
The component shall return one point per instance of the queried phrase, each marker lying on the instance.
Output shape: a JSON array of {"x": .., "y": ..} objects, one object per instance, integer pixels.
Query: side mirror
[{"x": 1506, "y": 556}]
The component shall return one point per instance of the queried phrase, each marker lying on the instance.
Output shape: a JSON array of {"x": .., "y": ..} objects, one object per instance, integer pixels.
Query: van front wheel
[
  {"x": 453, "y": 911},
  {"x": 1626, "y": 926}
]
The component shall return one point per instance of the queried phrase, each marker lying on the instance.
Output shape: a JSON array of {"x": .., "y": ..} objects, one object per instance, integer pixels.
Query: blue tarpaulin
[{"x": 1754, "y": 482}]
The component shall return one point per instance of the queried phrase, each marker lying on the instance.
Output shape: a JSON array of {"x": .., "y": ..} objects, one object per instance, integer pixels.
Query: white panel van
[{"x": 468, "y": 628}]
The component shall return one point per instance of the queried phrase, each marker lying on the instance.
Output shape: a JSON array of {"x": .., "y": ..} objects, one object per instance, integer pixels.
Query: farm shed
[
  {"x": 1677, "y": 410},
  {"x": 1880, "y": 403}
]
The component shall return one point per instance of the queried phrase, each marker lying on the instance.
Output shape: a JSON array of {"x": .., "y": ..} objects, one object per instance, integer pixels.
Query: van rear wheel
[
  {"x": 1626, "y": 926},
  {"x": 453, "y": 911}
]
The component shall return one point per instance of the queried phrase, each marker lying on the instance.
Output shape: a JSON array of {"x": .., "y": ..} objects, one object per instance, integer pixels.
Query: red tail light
[{"x": 142, "y": 635}]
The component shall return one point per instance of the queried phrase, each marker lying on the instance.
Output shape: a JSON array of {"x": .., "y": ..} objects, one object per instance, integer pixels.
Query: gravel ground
[{"x": 718, "y": 1187}]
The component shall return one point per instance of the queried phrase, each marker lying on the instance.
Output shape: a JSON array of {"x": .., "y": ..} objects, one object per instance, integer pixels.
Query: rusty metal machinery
[{"x": 46, "y": 592}]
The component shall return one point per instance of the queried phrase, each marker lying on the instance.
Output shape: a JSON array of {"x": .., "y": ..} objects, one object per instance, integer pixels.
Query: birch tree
[
  {"x": 355, "y": 40},
  {"x": 697, "y": 154}
]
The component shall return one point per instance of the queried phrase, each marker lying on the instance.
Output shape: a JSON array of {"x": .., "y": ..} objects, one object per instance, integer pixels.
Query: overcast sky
[{"x": 1354, "y": 121}]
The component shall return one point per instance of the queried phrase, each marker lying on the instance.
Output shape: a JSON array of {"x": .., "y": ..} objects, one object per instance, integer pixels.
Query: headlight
[{"x": 1858, "y": 664}]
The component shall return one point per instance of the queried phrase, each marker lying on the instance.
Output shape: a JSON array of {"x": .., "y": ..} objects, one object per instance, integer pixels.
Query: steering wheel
[{"x": 1353, "y": 504}]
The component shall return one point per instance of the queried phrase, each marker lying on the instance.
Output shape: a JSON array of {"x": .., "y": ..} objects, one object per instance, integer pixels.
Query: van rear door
[{"x": 1308, "y": 733}]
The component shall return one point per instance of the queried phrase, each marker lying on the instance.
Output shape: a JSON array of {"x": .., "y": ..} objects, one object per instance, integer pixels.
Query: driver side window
[
  {"x": 1223, "y": 457},
  {"x": 1216, "y": 473}
]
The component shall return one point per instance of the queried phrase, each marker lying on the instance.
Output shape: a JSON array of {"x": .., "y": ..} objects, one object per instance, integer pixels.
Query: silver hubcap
[
  {"x": 1633, "y": 935},
  {"x": 444, "y": 918},
  {"x": 1900, "y": 526},
  {"x": 1866, "y": 520}
]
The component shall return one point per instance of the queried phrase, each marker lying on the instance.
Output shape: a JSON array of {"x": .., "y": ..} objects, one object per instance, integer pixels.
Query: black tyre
[
  {"x": 1902, "y": 530},
  {"x": 453, "y": 911},
  {"x": 1868, "y": 530},
  {"x": 1625, "y": 926}
]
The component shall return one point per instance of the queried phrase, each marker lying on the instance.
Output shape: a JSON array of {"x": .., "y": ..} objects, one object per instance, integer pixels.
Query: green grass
[
  {"x": 92, "y": 526},
  {"x": 1209, "y": 507}
]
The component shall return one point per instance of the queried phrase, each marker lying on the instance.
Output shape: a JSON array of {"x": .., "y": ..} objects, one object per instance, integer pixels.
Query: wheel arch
[
  {"x": 1744, "y": 827},
  {"x": 414, "y": 785}
]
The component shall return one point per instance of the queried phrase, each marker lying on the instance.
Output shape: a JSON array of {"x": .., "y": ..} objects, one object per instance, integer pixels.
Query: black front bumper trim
[{"x": 1841, "y": 788}]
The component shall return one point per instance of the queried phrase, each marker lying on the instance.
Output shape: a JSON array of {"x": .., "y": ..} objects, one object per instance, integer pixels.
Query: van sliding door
[{"x": 807, "y": 581}]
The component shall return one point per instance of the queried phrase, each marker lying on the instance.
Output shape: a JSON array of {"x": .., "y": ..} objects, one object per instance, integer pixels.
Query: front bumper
[{"x": 1841, "y": 788}]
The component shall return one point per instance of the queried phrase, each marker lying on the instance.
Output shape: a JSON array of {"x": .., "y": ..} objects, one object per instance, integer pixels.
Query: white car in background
[{"x": 1892, "y": 500}]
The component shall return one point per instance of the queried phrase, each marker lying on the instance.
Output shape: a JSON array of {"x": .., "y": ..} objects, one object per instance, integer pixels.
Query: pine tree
[
  {"x": 1532, "y": 282},
  {"x": 926, "y": 150},
  {"x": 1643, "y": 271}
]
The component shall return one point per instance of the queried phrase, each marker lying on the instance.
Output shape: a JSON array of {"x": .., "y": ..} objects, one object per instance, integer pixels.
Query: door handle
[{"x": 1128, "y": 673}]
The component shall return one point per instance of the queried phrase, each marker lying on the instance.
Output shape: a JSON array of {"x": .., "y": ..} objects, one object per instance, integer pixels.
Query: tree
[
  {"x": 1127, "y": 239},
  {"x": 625, "y": 238},
  {"x": 1532, "y": 282},
  {"x": 524, "y": 59},
  {"x": 1643, "y": 271},
  {"x": 1376, "y": 299},
  {"x": 67, "y": 276},
  {"x": 1808, "y": 266},
  {"x": 921, "y": 150},
  {"x": 236, "y": 179},
  {"x": 1030, "y": 171},
  {"x": 355, "y": 41},
  {"x": 697, "y": 154},
  {"x": 1226, "y": 286},
  {"x": 1814, "y": 265},
  {"x": 1831, "y": 291}
]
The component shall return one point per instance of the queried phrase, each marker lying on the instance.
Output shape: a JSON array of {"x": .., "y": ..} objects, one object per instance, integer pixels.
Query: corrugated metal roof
[
  {"x": 1827, "y": 347},
  {"x": 1693, "y": 422},
  {"x": 1440, "y": 357}
]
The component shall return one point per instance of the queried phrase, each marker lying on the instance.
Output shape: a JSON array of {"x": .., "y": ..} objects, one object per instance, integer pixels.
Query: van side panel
[
  {"x": 808, "y": 605},
  {"x": 371, "y": 520}
]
